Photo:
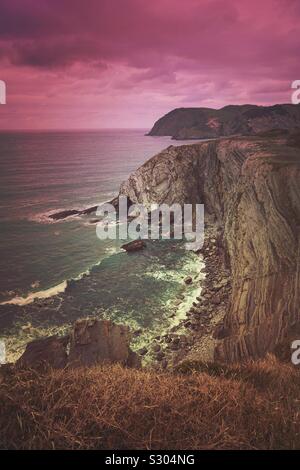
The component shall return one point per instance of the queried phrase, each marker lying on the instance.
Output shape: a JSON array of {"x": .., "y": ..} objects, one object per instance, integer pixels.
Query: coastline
[
  {"x": 195, "y": 320},
  {"x": 31, "y": 317}
]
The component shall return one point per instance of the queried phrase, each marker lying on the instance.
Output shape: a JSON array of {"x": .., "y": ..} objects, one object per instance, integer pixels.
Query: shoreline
[
  {"x": 39, "y": 315},
  {"x": 195, "y": 320},
  {"x": 196, "y": 335}
]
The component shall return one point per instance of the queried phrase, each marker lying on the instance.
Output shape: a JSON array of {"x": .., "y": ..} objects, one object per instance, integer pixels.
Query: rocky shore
[
  {"x": 196, "y": 336},
  {"x": 248, "y": 300},
  {"x": 250, "y": 187}
]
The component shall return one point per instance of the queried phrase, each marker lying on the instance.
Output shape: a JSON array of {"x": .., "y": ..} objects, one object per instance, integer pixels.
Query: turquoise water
[{"x": 44, "y": 172}]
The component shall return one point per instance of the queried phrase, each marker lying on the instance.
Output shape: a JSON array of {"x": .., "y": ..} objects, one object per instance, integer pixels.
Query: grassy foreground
[{"x": 250, "y": 406}]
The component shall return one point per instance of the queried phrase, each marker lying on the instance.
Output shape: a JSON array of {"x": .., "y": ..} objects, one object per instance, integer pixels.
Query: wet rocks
[
  {"x": 156, "y": 348},
  {"x": 160, "y": 356},
  {"x": 142, "y": 351},
  {"x": 134, "y": 245}
]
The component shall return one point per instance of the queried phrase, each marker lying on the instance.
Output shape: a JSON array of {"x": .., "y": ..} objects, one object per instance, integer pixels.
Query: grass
[{"x": 250, "y": 406}]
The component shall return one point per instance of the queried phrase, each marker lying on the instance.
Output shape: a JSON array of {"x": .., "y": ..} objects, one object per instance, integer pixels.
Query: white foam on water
[
  {"x": 59, "y": 288},
  {"x": 43, "y": 294}
]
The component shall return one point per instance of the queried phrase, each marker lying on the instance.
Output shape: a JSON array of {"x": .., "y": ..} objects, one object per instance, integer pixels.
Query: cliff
[
  {"x": 202, "y": 123},
  {"x": 251, "y": 190}
]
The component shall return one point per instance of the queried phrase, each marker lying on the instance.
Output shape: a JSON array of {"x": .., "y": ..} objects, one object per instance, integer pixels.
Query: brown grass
[{"x": 254, "y": 406}]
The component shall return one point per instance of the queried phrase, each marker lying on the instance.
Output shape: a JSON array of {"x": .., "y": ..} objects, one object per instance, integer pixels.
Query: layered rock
[
  {"x": 250, "y": 187},
  {"x": 202, "y": 123}
]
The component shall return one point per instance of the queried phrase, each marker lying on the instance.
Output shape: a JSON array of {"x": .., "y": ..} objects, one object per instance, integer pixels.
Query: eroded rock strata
[{"x": 251, "y": 190}]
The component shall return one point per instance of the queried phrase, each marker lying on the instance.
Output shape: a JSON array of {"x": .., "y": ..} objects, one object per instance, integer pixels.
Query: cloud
[{"x": 165, "y": 52}]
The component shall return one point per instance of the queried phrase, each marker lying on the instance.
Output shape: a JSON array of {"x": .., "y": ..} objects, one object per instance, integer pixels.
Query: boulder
[
  {"x": 50, "y": 351},
  {"x": 96, "y": 341}
]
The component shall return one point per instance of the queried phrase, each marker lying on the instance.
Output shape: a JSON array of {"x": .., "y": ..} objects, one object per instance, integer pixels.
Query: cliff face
[
  {"x": 195, "y": 123},
  {"x": 251, "y": 190}
]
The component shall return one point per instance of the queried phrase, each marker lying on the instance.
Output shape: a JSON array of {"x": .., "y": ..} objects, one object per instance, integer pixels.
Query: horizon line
[{"x": 75, "y": 129}]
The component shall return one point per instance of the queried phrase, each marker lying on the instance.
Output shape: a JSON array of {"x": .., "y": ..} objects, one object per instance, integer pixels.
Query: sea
[{"x": 53, "y": 272}]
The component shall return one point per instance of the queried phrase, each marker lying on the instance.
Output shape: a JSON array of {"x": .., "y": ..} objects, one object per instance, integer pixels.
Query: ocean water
[{"x": 54, "y": 272}]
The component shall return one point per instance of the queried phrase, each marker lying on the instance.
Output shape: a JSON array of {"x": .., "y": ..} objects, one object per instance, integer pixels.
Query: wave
[
  {"x": 59, "y": 288},
  {"x": 43, "y": 294}
]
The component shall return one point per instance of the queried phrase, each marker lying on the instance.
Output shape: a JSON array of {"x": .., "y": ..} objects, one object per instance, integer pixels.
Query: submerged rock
[{"x": 135, "y": 245}]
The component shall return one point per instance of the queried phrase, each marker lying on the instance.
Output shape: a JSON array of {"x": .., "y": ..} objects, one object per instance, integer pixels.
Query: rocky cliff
[
  {"x": 251, "y": 190},
  {"x": 202, "y": 123}
]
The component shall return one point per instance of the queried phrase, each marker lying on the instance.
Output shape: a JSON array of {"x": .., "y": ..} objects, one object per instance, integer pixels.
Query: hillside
[
  {"x": 203, "y": 123},
  {"x": 110, "y": 407}
]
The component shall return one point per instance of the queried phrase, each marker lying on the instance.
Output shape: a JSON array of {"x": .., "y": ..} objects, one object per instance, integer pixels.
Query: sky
[{"x": 87, "y": 64}]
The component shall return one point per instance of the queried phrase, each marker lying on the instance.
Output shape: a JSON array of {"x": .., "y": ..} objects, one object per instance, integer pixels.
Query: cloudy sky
[{"x": 124, "y": 63}]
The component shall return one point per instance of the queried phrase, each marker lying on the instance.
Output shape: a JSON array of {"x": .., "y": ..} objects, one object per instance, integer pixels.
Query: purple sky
[{"x": 125, "y": 63}]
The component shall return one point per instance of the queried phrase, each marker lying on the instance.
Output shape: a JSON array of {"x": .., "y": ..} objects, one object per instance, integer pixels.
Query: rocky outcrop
[
  {"x": 205, "y": 123},
  {"x": 72, "y": 212},
  {"x": 250, "y": 187},
  {"x": 91, "y": 342},
  {"x": 51, "y": 351},
  {"x": 101, "y": 341}
]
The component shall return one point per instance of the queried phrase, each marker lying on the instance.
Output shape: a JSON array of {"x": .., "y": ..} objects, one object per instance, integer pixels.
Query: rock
[
  {"x": 135, "y": 245},
  {"x": 188, "y": 280},
  {"x": 96, "y": 341},
  {"x": 137, "y": 332},
  {"x": 156, "y": 348},
  {"x": 257, "y": 202},
  {"x": 164, "y": 363},
  {"x": 142, "y": 351},
  {"x": 94, "y": 221},
  {"x": 51, "y": 351},
  {"x": 216, "y": 300},
  {"x": 220, "y": 332},
  {"x": 64, "y": 214},
  {"x": 160, "y": 355}
]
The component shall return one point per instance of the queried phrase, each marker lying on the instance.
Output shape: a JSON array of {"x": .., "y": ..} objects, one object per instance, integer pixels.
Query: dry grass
[{"x": 211, "y": 407}]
